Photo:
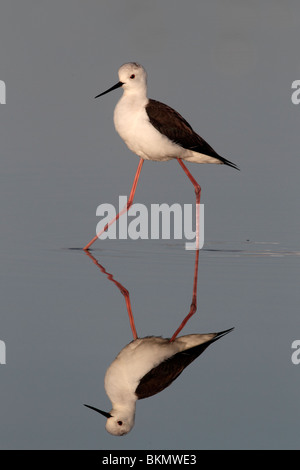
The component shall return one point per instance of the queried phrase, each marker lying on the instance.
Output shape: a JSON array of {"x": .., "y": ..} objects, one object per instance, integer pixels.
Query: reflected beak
[
  {"x": 103, "y": 413},
  {"x": 117, "y": 85}
]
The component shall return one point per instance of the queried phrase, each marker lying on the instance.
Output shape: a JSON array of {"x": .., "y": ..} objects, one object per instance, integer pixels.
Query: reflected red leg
[
  {"x": 123, "y": 291},
  {"x": 193, "y": 307},
  {"x": 125, "y": 209}
]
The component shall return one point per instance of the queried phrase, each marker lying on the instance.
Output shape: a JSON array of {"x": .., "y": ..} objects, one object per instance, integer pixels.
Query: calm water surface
[{"x": 63, "y": 323}]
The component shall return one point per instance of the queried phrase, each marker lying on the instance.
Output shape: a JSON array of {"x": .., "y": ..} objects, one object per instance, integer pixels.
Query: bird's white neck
[
  {"x": 138, "y": 93},
  {"x": 125, "y": 410},
  {"x": 125, "y": 405}
]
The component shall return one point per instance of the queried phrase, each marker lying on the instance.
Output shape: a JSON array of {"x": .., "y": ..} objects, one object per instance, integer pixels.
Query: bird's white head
[
  {"x": 133, "y": 76},
  {"x": 133, "y": 79},
  {"x": 119, "y": 421}
]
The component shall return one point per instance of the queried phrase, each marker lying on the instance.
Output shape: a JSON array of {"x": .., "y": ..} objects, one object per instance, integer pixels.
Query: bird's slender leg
[
  {"x": 192, "y": 179},
  {"x": 123, "y": 291},
  {"x": 193, "y": 307},
  {"x": 125, "y": 209},
  {"x": 198, "y": 195}
]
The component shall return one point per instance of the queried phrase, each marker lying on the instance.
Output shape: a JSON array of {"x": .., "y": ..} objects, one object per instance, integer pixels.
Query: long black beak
[
  {"x": 117, "y": 85},
  {"x": 103, "y": 413}
]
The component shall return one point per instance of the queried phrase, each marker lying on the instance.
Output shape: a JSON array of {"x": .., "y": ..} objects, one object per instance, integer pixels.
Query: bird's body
[
  {"x": 145, "y": 367},
  {"x": 154, "y": 131},
  {"x": 139, "y": 357},
  {"x": 133, "y": 126}
]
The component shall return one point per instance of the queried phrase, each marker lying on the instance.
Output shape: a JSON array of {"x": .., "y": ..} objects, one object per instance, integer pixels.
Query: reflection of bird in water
[
  {"x": 154, "y": 131},
  {"x": 148, "y": 365},
  {"x": 145, "y": 367}
]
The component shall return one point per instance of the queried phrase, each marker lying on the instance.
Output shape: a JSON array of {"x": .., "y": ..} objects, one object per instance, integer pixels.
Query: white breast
[
  {"x": 133, "y": 126},
  {"x": 133, "y": 362}
]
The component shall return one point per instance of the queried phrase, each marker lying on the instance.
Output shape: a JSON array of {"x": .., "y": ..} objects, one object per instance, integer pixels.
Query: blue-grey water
[{"x": 62, "y": 321}]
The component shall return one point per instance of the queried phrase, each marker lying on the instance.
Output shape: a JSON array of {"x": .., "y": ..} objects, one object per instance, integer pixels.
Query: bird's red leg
[
  {"x": 192, "y": 179},
  {"x": 198, "y": 194},
  {"x": 193, "y": 307},
  {"x": 123, "y": 291},
  {"x": 125, "y": 209}
]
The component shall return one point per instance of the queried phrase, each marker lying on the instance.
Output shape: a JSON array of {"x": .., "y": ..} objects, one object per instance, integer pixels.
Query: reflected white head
[{"x": 119, "y": 422}]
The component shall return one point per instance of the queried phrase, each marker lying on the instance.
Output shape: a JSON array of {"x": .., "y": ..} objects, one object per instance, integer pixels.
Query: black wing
[
  {"x": 161, "y": 376},
  {"x": 171, "y": 124}
]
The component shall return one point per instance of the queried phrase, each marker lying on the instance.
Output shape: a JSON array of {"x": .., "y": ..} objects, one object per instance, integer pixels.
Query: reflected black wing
[{"x": 161, "y": 376}]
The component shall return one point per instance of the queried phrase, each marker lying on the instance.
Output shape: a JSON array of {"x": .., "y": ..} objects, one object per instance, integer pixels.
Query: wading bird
[
  {"x": 154, "y": 131},
  {"x": 146, "y": 366}
]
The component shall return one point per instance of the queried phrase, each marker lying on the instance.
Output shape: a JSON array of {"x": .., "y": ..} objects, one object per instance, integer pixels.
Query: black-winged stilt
[
  {"x": 154, "y": 131},
  {"x": 146, "y": 366}
]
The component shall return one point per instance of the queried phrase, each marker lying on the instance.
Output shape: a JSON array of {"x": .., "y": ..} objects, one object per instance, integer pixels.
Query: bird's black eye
[
  {"x": 132, "y": 76},
  {"x": 120, "y": 423}
]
